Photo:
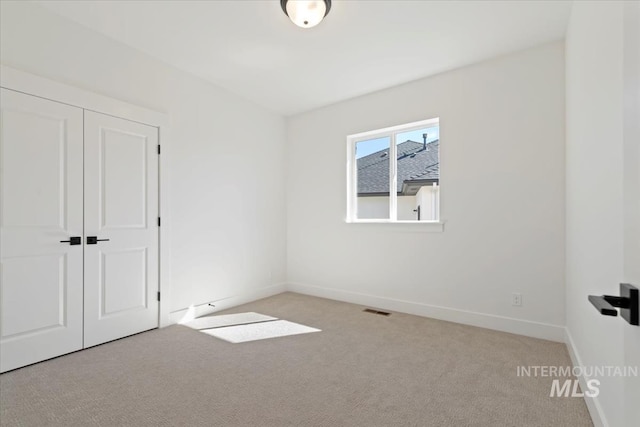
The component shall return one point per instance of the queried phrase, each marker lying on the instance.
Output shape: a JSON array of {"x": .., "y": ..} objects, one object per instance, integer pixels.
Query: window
[{"x": 394, "y": 174}]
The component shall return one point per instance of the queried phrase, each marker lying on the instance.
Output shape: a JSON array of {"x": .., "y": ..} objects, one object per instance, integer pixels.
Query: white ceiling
[{"x": 252, "y": 49}]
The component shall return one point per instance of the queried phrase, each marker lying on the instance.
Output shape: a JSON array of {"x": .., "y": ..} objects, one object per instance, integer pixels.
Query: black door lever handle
[
  {"x": 92, "y": 240},
  {"x": 73, "y": 241},
  {"x": 628, "y": 303},
  {"x": 603, "y": 305}
]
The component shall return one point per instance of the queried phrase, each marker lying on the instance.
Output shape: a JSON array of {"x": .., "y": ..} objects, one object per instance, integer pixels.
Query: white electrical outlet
[{"x": 516, "y": 299}]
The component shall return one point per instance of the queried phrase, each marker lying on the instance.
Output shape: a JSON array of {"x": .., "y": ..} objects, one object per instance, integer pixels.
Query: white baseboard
[
  {"x": 203, "y": 309},
  {"x": 482, "y": 320},
  {"x": 489, "y": 321},
  {"x": 593, "y": 404}
]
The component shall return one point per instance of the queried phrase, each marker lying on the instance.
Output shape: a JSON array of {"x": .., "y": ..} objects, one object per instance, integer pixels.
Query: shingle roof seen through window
[{"x": 415, "y": 163}]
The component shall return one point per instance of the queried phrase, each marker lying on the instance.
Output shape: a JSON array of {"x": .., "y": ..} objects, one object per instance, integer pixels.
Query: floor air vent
[{"x": 372, "y": 311}]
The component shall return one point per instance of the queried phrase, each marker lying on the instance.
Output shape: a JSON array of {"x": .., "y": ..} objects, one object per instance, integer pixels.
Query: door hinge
[
  {"x": 158, "y": 221},
  {"x": 158, "y": 148},
  {"x": 158, "y": 295}
]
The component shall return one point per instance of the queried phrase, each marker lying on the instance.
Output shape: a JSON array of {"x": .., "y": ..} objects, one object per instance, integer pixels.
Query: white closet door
[
  {"x": 121, "y": 211},
  {"x": 40, "y": 205}
]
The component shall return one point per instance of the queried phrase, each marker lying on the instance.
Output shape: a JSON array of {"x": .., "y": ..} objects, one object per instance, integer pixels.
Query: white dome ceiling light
[{"x": 306, "y": 13}]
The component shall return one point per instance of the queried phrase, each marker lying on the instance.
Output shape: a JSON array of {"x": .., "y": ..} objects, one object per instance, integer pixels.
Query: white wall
[
  {"x": 405, "y": 206},
  {"x": 373, "y": 207},
  {"x": 631, "y": 158},
  {"x": 378, "y": 207},
  {"x": 595, "y": 155},
  {"x": 427, "y": 199},
  {"x": 223, "y": 242},
  {"x": 502, "y": 197}
]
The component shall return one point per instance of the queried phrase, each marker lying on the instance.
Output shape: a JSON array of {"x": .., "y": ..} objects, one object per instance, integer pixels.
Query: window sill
[{"x": 412, "y": 226}]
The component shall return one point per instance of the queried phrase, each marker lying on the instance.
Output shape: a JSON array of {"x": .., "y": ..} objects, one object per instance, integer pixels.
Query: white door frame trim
[{"x": 30, "y": 84}]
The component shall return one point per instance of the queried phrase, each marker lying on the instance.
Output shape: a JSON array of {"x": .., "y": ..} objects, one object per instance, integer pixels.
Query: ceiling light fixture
[{"x": 306, "y": 13}]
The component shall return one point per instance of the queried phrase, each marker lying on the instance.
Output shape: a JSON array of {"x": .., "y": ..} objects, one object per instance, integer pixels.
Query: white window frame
[{"x": 352, "y": 174}]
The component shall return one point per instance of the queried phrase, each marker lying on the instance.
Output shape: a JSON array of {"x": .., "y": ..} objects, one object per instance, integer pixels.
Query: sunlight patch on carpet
[
  {"x": 209, "y": 322},
  {"x": 259, "y": 331}
]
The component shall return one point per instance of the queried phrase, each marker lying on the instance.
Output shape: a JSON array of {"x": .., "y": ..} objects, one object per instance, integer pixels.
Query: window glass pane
[
  {"x": 418, "y": 171},
  {"x": 372, "y": 160}
]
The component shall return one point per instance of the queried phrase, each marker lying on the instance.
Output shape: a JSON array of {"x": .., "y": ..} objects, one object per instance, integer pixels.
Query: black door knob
[
  {"x": 628, "y": 302},
  {"x": 73, "y": 241},
  {"x": 92, "y": 240}
]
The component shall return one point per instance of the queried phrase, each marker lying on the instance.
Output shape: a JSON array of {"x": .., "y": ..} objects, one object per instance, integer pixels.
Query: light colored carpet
[
  {"x": 362, "y": 370},
  {"x": 259, "y": 331},
  {"x": 222, "y": 320}
]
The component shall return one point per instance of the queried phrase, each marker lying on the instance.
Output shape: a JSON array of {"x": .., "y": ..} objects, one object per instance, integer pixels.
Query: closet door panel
[
  {"x": 121, "y": 210},
  {"x": 41, "y": 176}
]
